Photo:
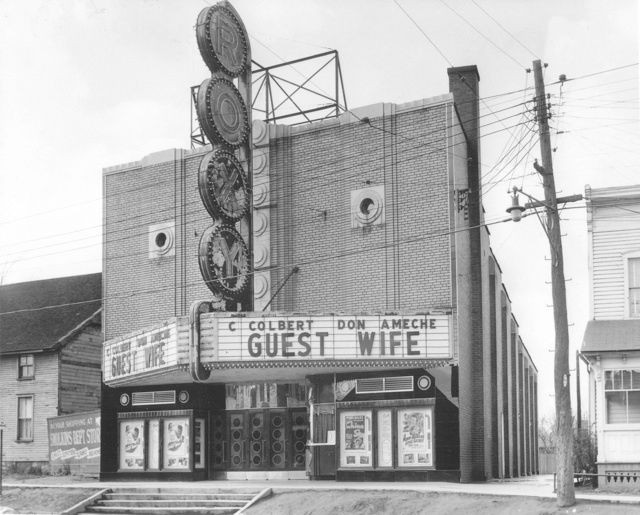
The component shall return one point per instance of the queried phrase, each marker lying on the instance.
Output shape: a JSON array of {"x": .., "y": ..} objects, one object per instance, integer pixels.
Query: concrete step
[
  {"x": 120, "y": 510},
  {"x": 184, "y": 496},
  {"x": 173, "y": 501}
]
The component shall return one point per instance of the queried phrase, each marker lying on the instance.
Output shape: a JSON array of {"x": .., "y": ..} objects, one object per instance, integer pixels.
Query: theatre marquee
[{"x": 319, "y": 338}]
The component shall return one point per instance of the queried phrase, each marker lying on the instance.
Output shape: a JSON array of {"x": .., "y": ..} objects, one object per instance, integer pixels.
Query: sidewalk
[{"x": 532, "y": 486}]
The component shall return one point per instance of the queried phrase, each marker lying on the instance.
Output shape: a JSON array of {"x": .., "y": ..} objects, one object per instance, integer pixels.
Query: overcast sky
[{"x": 89, "y": 84}]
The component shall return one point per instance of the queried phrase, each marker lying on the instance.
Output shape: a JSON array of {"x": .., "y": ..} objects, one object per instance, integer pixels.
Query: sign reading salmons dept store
[{"x": 332, "y": 337}]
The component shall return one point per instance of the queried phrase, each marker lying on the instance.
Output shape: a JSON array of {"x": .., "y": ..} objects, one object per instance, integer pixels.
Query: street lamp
[{"x": 515, "y": 210}]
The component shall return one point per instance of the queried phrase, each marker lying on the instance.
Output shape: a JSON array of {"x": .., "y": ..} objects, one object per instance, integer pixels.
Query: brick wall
[
  {"x": 504, "y": 377},
  {"x": 421, "y": 258},
  {"x": 403, "y": 264},
  {"x": 494, "y": 304},
  {"x": 513, "y": 391},
  {"x": 139, "y": 290},
  {"x": 463, "y": 83}
]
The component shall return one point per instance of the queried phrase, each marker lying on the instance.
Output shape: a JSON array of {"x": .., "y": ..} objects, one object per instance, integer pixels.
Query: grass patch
[{"x": 43, "y": 500}]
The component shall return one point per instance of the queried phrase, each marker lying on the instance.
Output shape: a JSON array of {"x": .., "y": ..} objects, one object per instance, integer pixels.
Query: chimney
[
  {"x": 464, "y": 84},
  {"x": 474, "y": 428}
]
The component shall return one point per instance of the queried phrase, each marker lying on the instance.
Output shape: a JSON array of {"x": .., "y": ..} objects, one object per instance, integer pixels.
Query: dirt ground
[
  {"x": 358, "y": 502},
  {"x": 42, "y": 500},
  {"x": 324, "y": 502}
]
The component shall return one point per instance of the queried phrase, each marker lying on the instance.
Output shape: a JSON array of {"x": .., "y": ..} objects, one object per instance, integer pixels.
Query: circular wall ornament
[
  {"x": 124, "y": 399},
  {"x": 259, "y": 130},
  {"x": 183, "y": 396},
  {"x": 259, "y": 162},
  {"x": 224, "y": 261},
  {"x": 222, "y": 40},
  {"x": 367, "y": 206},
  {"x": 222, "y": 113},
  {"x": 260, "y": 223},
  {"x": 163, "y": 241},
  {"x": 260, "y": 287},
  {"x": 424, "y": 382},
  {"x": 259, "y": 194},
  {"x": 260, "y": 255},
  {"x": 223, "y": 186}
]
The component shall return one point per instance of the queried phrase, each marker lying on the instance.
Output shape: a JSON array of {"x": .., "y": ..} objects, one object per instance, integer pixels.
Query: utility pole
[
  {"x": 578, "y": 400},
  {"x": 564, "y": 457}
]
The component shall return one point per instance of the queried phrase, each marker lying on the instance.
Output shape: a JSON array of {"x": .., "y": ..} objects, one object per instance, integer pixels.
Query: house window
[
  {"x": 634, "y": 287},
  {"x": 26, "y": 368},
  {"x": 622, "y": 395},
  {"x": 25, "y": 418}
]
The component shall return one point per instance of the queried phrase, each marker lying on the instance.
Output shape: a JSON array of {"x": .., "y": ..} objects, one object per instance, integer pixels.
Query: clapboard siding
[
  {"x": 80, "y": 372},
  {"x": 613, "y": 236},
  {"x": 44, "y": 388}
]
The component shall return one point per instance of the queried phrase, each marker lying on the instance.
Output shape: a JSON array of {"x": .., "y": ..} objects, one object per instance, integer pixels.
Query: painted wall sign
[
  {"x": 144, "y": 352},
  {"x": 75, "y": 440},
  {"x": 332, "y": 337}
]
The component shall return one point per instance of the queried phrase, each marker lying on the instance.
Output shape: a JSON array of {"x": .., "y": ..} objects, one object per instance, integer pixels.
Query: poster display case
[
  {"x": 153, "y": 445},
  {"x": 131, "y": 445},
  {"x": 161, "y": 442},
  {"x": 355, "y": 439},
  {"x": 175, "y": 444},
  {"x": 389, "y": 437},
  {"x": 385, "y": 438},
  {"x": 415, "y": 437}
]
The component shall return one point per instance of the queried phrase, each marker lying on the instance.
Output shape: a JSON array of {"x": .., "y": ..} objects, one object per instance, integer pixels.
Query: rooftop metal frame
[{"x": 281, "y": 98}]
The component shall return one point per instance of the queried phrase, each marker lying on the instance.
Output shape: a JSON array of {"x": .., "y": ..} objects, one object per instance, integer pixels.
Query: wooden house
[
  {"x": 611, "y": 340},
  {"x": 50, "y": 345}
]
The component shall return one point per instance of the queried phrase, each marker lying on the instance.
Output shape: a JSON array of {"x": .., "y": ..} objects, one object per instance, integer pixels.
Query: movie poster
[
  {"x": 176, "y": 443},
  {"x": 356, "y": 439},
  {"x": 132, "y": 445},
  {"x": 385, "y": 439},
  {"x": 153, "y": 446},
  {"x": 415, "y": 446}
]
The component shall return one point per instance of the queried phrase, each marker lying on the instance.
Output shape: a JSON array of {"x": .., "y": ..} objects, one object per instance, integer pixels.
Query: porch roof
[{"x": 611, "y": 335}]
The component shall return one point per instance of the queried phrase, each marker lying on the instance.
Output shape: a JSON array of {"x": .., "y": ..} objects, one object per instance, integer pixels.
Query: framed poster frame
[{"x": 401, "y": 436}]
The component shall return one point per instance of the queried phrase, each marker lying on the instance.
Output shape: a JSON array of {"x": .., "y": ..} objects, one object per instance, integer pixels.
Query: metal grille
[
  {"x": 385, "y": 384},
  {"x": 145, "y": 398}
]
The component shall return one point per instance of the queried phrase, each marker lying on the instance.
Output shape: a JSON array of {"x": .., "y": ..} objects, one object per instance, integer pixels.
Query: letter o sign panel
[{"x": 222, "y": 113}]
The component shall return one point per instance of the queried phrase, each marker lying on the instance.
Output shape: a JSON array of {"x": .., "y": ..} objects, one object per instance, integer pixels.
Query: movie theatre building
[{"x": 379, "y": 343}]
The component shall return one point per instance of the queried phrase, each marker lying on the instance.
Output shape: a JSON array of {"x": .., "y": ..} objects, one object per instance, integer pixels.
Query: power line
[
  {"x": 320, "y": 166},
  {"x": 479, "y": 32},
  {"x": 499, "y": 25},
  {"x": 320, "y": 259},
  {"x": 424, "y": 33}
]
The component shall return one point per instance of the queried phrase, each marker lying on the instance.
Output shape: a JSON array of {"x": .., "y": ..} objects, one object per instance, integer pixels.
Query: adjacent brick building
[{"x": 371, "y": 219}]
